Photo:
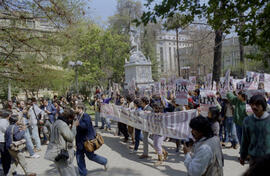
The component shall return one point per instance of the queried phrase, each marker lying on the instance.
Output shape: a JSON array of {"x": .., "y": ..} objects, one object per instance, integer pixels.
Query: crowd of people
[
  {"x": 57, "y": 123},
  {"x": 60, "y": 122}
]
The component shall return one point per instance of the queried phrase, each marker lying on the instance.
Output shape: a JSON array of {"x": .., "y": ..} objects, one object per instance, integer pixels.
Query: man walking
[
  {"x": 85, "y": 131},
  {"x": 256, "y": 132},
  {"x": 146, "y": 140}
]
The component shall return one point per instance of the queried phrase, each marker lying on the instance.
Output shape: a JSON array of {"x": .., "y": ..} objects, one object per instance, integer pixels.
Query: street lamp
[{"x": 75, "y": 65}]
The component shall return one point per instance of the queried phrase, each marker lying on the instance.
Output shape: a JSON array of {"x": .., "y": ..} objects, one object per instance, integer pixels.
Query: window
[
  {"x": 161, "y": 59},
  {"x": 30, "y": 23}
]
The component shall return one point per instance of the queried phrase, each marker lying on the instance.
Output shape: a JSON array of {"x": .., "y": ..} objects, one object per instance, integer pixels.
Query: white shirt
[
  {"x": 264, "y": 116},
  {"x": 3, "y": 127},
  {"x": 33, "y": 117},
  {"x": 197, "y": 163}
]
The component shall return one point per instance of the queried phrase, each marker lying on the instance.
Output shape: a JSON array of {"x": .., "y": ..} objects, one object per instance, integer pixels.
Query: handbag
[
  {"x": 94, "y": 144},
  {"x": 17, "y": 146}
]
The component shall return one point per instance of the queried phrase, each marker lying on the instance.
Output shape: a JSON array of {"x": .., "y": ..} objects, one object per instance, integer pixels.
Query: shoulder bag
[
  {"x": 17, "y": 146},
  {"x": 94, "y": 144}
]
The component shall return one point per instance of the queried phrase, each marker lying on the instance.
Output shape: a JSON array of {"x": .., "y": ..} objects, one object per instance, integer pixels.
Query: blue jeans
[
  {"x": 105, "y": 121},
  {"x": 35, "y": 136},
  {"x": 223, "y": 138},
  {"x": 29, "y": 143},
  {"x": 91, "y": 156},
  {"x": 230, "y": 125},
  {"x": 138, "y": 137},
  {"x": 239, "y": 133},
  {"x": 97, "y": 118}
]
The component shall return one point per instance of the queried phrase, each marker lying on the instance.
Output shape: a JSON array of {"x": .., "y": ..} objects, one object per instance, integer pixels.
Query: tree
[
  {"x": 102, "y": 52},
  {"x": 222, "y": 16},
  {"x": 27, "y": 48}
]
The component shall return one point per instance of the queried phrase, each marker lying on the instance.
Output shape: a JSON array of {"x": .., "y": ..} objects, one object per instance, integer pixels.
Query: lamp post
[{"x": 75, "y": 65}]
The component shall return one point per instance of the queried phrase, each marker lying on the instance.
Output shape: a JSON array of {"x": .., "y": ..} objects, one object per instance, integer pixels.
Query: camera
[
  {"x": 189, "y": 142},
  {"x": 63, "y": 155}
]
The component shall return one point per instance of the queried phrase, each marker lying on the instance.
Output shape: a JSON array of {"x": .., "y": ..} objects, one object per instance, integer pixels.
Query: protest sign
[
  {"x": 266, "y": 82},
  {"x": 252, "y": 80},
  {"x": 207, "y": 99},
  {"x": 192, "y": 85},
  {"x": 173, "y": 124},
  {"x": 181, "y": 92}
]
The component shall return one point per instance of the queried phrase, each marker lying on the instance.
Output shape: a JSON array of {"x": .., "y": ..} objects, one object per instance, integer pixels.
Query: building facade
[{"x": 166, "y": 50}]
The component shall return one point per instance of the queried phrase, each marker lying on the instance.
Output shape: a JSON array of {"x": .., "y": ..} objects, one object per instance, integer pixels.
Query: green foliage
[{"x": 103, "y": 54}]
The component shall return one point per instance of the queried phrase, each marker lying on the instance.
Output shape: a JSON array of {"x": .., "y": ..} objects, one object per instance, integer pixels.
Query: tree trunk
[
  {"x": 177, "y": 52},
  {"x": 9, "y": 90},
  {"x": 241, "y": 49},
  {"x": 242, "y": 59},
  {"x": 217, "y": 56}
]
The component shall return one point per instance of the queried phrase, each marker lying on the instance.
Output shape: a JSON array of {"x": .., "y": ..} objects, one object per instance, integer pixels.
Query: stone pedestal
[{"x": 138, "y": 68}]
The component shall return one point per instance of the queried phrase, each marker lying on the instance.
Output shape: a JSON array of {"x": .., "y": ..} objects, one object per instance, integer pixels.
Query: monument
[{"x": 138, "y": 68}]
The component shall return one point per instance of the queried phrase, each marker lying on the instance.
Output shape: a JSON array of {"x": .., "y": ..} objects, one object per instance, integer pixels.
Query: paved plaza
[{"x": 122, "y": 163}]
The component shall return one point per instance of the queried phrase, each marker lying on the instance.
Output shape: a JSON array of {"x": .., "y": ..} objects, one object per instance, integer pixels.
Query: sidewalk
[{"x": 121, "y": 163}]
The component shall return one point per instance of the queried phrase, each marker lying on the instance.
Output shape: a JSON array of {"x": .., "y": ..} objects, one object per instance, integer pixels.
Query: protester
[
  {"x": 84, "y": 132},
  {"x": 207, "y": 156},
  {"x": 58, "y": 109},
  {"x": 223, "y": 132},
  {"x": 196, "y": 98},
  {"x": 5, "y": 156},
  {"x": 97, "y": 105},
  {"x": 123, "y": 127},
  {"x": 256, "y": 136},
  {"x": 138, "y": 134},
  {"x": 34, "y": 113},
  {"x": 14, "y": 133},
  {"x": 227, "y": 114},
  {"x": 268, "y": 98},
  {"x": 213, "y": 117},
  {"x": 103, "y": 119},
  {"x": 27, "y": 136},
  {"x": 130, "y": 104},
  {"x": 260, "y": 168},
  {"x": 157, "y": 106},
  {"x": 239, "y": 111},
  {"x": 146, "y": 140},
  {"x": 62, "y": 138}
]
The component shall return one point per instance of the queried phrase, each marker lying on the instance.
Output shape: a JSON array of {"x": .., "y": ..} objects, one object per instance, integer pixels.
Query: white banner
[{"x": 173, "y": 124}]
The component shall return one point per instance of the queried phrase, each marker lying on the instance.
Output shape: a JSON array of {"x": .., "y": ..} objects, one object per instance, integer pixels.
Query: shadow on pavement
[
  {"x": 114, "y": 172},
  {"x": 232, "y": 158},
  {"x": 116, "y": 145}
]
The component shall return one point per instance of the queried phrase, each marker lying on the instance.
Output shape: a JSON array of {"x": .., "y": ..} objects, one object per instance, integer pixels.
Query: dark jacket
[
  {"x": 52, "y": 111},
  {"x": 85, "y": 131},
  {"x": 17, "y": 135}
]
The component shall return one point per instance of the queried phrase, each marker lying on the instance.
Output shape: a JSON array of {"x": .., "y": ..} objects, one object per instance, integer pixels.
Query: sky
[{"x": 100, "y": 10}]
